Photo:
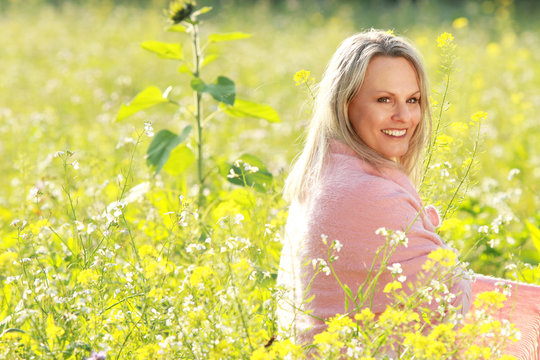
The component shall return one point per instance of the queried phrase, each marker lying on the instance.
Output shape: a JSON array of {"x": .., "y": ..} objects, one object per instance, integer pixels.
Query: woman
[{"x": 355, "y": 175}]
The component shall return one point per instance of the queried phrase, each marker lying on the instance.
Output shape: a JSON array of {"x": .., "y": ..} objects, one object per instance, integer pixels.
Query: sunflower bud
[{"x": 180, "y": 10}]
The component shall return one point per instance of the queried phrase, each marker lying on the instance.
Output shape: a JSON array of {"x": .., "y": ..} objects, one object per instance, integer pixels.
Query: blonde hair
[{"x": 342, "y": 79}]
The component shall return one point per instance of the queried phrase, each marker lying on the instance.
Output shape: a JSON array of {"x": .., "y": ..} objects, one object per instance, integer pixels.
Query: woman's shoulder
[
  {"x": 352, "y": 176},
  {"x": 347, "y": 173}
]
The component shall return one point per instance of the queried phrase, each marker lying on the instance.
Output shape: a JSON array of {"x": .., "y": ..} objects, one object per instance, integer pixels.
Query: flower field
[{"x": 121, "y": 240}]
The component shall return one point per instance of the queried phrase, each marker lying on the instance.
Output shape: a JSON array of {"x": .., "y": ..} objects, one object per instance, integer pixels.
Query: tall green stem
[{"x": 198, "y": 115}]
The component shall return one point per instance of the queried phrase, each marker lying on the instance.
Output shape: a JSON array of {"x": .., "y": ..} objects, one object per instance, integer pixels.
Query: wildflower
[
  {"x": 513, "y": 173},
  {"x": 301, "y": 77},
  {"x": 101, "y": 355},
  {"x": 402, "y": 278},
  {"x": 479, "y": 116},
  {"x": 148, "y": 129},
  {"x": 390, "y": 32},
  {"x": 238, "y": 218},
  {"x": 366, "y": 315},
  {"x": 381, "y": 231},
  {"x": 337, "y": 245},
  {"x": 87, "y": 276},
  {"x": 324, "y": 238},
  {"x": 181, "y": 10},
  {"x": 395, "y": 269},
  {"x": 399, "y": 238},
  {"x": 483, "y": 229},
  {"x": 394, "y": 285},
  {"x": 75, "y": 165},
  {"x": 493, "y": 243},
  {"x": 490, "y": 300},
  {"x": 460, "y": 23},
  {"x": 232, "y": 174},
  {"x": 445, "y": 40},
  {"x": 441, "y": 257}
]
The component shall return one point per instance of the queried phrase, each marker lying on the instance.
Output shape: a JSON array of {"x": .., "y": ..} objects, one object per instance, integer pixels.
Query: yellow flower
[
  {"x": 445, "y": 40},
  {"x": 87, "y": 276},
  {"x": 339, "y": 322},
  {"x": 440, "y": 257},
  {"x": 490, "y": 300},
  {"x": 477, "y": 352},
  {"x": 199, "y": 274},
  {"x": 147, "y": 250},
  {"x": 392, "y": 317},
  {"x": 301, "y": 77},
  {"x": 7, "y": 258},
  {"x": 479, "y": 116},
  {"x": 460, "y": 23},
  {"x": 366, "y": 315},
  {"x": 394, "y": 285},
  {"x": 52, "y": 330}
]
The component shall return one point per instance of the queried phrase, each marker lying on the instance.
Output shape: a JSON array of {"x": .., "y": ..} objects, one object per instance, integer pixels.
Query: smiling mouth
[{"x": 395, "y": 133}]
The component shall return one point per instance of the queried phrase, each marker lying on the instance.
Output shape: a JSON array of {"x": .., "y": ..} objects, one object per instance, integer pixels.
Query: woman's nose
[{"x": 401, "y": 112}]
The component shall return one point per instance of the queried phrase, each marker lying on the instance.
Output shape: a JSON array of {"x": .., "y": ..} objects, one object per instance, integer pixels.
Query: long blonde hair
[{"x": 342, "y": 79}]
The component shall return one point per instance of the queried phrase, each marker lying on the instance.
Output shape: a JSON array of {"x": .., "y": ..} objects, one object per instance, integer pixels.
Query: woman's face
[{"x": 386, "y": 108}]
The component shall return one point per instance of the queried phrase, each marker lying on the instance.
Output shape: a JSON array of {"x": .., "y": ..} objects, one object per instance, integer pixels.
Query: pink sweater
[{"x": 349, "y": 204}]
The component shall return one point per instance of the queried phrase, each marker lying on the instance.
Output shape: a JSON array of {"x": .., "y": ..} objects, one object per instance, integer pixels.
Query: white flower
[
  {"x": 148, "y": 129},
  {"x": 337, "y": 245},
  {"x": 402, "y": 278},
  {"x": 494, "y": 242},
  {"x": 395, "y": 268},
  {"x": 483, "y": 229},
  {"x": 75, "y": 165},
  {"x": 381, "y": 231},
  {"x": 399, "y": 238},
  {"x": 513, "y": 173},
  {"x": 324, "y": 238},
  {"x": 232, "y": 174},
  {"x": 238, "y": 218}
]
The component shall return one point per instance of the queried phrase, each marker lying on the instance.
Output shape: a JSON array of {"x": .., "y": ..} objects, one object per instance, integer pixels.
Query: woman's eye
[
  {"x": 413, "y": 100},
  {"x": 383, "y": 100}
]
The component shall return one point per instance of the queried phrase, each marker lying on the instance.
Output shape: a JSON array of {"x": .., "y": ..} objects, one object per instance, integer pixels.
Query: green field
[{"x": 157, "y": 275}]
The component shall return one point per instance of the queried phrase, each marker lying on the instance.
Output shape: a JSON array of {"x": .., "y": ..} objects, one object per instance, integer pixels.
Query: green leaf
[
  {"x": 223, "y": 90},
  {"x": 244, "y": 108},
  {"x": 350, "y": 295},
  {"x": 147, "y": 98},
  {"x": 177, "y": 28},
  {"x": 180, "y": 160},
  {"x": 213, "y": 38},
  {"x": 164, "y": 50},
  {"x": 11, "y": 330},
  {"x": 248, "y": 170},
  {"x": 198, "y": 85},
  {"x": 202, "y": 10},
  {"x": 184, "y": 69},
  {"x": 535, "y": 234},
  {"x": 160, "y": 148},
  {"x": 208, "y": 59}
]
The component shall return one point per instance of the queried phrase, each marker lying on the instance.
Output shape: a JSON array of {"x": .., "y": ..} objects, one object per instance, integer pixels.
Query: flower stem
[{"x": 198, "y": 114}]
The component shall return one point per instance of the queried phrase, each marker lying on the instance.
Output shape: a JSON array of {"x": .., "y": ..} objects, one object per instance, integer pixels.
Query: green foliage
[
  {"x": 145, "y": 99},
  {"x": 184, "y": 15},
  {"x": 162, "y": 145}
]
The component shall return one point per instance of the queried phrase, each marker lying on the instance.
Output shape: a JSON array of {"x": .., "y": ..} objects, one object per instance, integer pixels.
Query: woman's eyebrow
[{"x": 391, "y": 93}]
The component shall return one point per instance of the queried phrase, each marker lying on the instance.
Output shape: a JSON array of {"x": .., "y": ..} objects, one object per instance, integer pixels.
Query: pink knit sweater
[{"x": 349, "y": 204}]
